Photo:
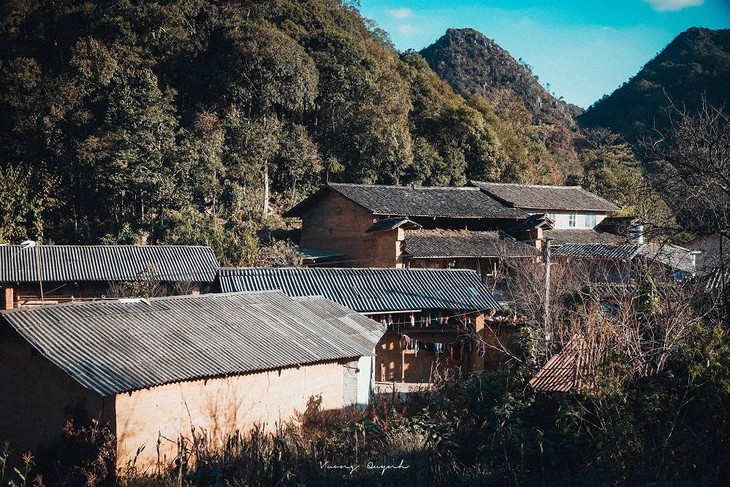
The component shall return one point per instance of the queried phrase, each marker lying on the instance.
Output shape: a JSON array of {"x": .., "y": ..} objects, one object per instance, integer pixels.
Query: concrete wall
[
  {"x": 337, "y": 224},
  {"x": 365, "y": 379},
  {"x": 35, "y": 395},
  {"x": 218, "y": 407}
]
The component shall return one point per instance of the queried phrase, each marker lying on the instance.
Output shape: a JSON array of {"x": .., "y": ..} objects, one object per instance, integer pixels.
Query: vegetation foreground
[{"x": 671, "y": 428}]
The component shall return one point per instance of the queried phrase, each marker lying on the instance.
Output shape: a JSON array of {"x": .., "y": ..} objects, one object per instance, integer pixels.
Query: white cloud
[
  {"x": 673, "y": 5},
  {"x": 400, "y": 13},
  {"x": 407, "y": 30}
]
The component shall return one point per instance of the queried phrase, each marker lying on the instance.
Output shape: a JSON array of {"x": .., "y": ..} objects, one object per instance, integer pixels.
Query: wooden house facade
[{"x": 436, "y": 319}]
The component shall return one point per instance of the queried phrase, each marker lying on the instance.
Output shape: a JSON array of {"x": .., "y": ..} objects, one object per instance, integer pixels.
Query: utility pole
[{"x": 546, "y": 304}]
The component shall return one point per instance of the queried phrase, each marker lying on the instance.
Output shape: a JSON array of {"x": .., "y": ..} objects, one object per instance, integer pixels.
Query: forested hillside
[
  {"x": 694, "y": 65},
  {"x": 182, "y": 122},
  {"x": 198, "y": 121},
  {"x": 475, "y": 65}
]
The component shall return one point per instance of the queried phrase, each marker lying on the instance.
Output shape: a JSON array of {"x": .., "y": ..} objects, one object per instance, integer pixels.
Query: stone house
[
  {"x": 33, "y": 275},
  {"x": 436, "y": 319},
  {"x": 155, "y": 369}
]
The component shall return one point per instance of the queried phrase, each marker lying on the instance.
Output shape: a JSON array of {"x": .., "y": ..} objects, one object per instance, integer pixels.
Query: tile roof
[
  {"x": 583, "y": 236},
  {"x": 566, "y": 371},
  {"x": 596, "y": 251},
  {"x": 539, "y": 197},
  {"x": 392, "y": 224},
  {"x": 674, "y": 256},
  {"x": 368, "y": 290},
  {"x": 414, "y": 201},
  {"x": 538, "y": 220},
  {"x": 456, "y": 243},
  {"x": 65, "y": 263},
  {"x": 116, "y": 346}
]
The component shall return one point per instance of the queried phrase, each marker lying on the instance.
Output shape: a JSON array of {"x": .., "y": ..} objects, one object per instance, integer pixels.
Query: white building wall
[
  {"x": 562, "y": 218},
  {"x": 365, "y": 380}
]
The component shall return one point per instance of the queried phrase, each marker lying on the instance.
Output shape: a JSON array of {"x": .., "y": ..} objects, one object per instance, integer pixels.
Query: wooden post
[{"x": 8, "y": 298}]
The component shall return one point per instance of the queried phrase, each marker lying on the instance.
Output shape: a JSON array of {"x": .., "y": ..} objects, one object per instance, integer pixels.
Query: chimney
[{"x": 636, "y": 233}]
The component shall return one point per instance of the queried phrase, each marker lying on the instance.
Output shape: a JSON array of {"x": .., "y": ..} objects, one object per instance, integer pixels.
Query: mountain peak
[{"x": 473, "y": 63}]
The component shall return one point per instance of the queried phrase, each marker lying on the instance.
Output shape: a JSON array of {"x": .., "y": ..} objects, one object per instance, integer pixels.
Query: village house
[
  {"x": 436, "y": 319},
  {"x": 354, "y": 225},
  {"x": 366, "y": 224},
  {"x": 32, "y": 275},
  {"x": 713, "y": 252},
  {"x": 617, "y": 263},
  {"x": 568, "y": 207},
  {"x": 156, "y": 369}
]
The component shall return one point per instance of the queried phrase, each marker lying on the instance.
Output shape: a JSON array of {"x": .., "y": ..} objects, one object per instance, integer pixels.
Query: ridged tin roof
[
  {"x": 65, "y": 263},
  {"x": 455, "y": 243},
  {"x": 414, "y": 201},
  {"x": 672, "y": 256},
  {"x": 541, "y": 197},
  {"x": 368, "y": 290},
  {"x": 115, "y": 346}
]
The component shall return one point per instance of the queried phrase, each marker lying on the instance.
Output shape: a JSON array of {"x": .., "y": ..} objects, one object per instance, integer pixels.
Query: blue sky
[{"x": 580, "y": 49}]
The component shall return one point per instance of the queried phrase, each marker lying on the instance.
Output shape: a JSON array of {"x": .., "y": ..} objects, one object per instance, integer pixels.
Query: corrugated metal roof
[
  {"x": 414, "y": 201},
  {"x": 717, "y": 280},
  {"x": 672, "y": 256},
  {"x": 369, "y": 290},
  {"x": 542, "y": 197},
  {"x": 462, "y": 243},
  {"x": 116, "y": 346},
  {"x": 66, "y": 263}
]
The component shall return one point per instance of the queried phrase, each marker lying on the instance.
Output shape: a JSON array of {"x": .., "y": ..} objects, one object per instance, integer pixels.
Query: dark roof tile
[
  {"x": 540, "y": 197},
  {"x": 414, "y": 201},
  {"x": 455, "y": 243}
]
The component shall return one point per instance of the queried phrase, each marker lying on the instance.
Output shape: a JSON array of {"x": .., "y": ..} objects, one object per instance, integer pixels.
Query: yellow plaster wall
[{"x": 217, "y": 408}]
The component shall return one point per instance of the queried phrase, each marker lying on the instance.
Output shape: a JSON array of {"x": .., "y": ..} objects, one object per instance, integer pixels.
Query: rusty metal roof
[
  {"x": 116, "y": 346},
  {"x": 368, "y": 290},
  {"x": 567, "y": 370},
  {"x": 68, "y": 263}
]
